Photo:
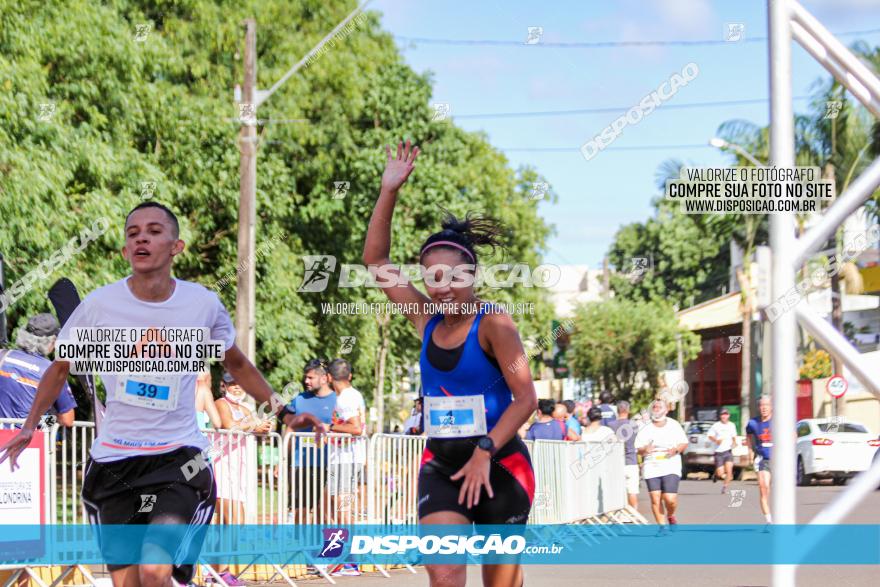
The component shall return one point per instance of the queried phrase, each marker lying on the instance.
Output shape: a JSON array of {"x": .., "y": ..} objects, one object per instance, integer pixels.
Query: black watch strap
[{"x": 488, "y": 445}]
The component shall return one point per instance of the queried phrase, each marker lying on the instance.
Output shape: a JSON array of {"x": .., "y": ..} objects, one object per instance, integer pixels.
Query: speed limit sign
[{"x": 837, "y": 386}]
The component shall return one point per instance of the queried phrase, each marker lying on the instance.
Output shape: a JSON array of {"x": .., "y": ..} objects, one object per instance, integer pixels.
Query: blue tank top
[{"x": 474, "y": 374}]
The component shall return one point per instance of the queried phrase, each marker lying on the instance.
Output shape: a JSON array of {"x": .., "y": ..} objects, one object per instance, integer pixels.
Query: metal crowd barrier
[
  {"x": 392, "y": 478},
  {"x": 574, "y": 481},
  {"x": 274, "y": 479},
  {"x": 71, "y": 459},
  {"x": 54, "y": 451},
  {"x": 324, "y": 484}
]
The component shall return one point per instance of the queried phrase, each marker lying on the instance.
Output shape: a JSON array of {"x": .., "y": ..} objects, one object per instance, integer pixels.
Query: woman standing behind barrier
[
  {"x": 231, "y": 450},
  {"x": 478, "y": 471}
]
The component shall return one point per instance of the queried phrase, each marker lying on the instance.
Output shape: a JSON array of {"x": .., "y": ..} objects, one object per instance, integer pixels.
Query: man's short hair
[
  {"x": 569, "y": 406},
  {"x": 606, "y": 397},
  {"x": 623, "y": 406},
  {"x": 546, "y": 406},
  {"x": 340, "y": 369},
  {"x": 175, "y": 225},
  {"x": 319, "y": 365},
  {"x": 594, "y": 414}
]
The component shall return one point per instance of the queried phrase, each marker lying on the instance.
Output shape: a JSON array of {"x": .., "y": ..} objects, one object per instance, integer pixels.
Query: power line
[
  {"x": 571, "y": 112},
  {"x": 577, "y": 149},
  {"x": 602, "y": 44},
  {"x": 612, "y": 109}
]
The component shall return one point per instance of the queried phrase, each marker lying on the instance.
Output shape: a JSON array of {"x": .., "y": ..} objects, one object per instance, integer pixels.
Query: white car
[{"x": 836, "y": 450}]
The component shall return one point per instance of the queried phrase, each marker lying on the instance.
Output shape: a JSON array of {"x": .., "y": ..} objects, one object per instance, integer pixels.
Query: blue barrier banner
[{"x": 618, "y": 544}]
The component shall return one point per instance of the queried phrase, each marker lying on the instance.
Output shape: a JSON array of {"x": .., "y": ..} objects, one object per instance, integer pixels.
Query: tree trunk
[
  {"x": 383, "y": 321},
  {"x": 746, "y": 352}
]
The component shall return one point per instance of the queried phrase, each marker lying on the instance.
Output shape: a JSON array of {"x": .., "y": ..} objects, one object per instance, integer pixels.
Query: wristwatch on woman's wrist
[{"x": 487, "y": 444}]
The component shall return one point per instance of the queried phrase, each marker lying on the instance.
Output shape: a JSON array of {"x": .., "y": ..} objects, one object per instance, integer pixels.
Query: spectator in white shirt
[
  {"x": 723, "y": 434},
  {"x": 413, "y": 424},
  {"x": 346, "y": 474}
]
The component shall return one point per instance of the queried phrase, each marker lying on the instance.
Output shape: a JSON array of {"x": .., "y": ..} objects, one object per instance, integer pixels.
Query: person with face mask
[
  {"x": 230, "y": 457},
  {"x": 660, "y": 444}
]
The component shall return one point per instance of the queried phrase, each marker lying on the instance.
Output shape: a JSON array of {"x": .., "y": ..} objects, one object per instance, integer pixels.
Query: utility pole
[
  {"x": 606, "y": 279},
  {"x": 3, "y": 339},
  {"x": 251, "y": 98},
  {"x": 245, "y": 311},
  {"x": 680, "y": 365}
]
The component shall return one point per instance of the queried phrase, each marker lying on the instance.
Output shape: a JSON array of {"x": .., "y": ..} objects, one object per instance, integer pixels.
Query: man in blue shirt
[
  {"x": 309, "y": 474},
  {"x": 546, "y": 427},
  {"x": 22, "y": 368},
  {"x": 572, "y": 426},
  {"x": 760, "y": 434}
]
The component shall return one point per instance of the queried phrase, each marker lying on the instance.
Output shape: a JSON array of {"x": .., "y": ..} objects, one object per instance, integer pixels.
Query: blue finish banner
[{"x": 618, "y": 544}]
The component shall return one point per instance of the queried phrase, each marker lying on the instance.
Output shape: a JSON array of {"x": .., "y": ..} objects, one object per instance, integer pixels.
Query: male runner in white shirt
[
  {"x": 149, "y": 443},
  {"x": 723, "y": 434}
]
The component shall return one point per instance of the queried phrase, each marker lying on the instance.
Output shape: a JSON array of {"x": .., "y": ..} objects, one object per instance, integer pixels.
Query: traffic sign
[{"x": 837, "y": 386}]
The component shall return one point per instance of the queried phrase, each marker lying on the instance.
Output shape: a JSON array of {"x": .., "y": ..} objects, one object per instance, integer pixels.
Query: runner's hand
[
  {"x": 672, "y": 451},
  {"x": 399, "y": 167},
  {"x": 13, "y": 448},
  {"x": 476, "y": 476}
]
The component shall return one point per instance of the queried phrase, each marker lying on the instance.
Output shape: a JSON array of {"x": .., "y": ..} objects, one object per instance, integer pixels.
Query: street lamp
[{"x": 720, "y": 143}]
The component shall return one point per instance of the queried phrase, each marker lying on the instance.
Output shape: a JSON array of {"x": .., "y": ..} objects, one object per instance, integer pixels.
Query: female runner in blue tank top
[{"x": 475, "y": 469}]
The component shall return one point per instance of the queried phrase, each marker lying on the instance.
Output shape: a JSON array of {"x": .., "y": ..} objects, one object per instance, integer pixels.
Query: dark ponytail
[{"x": 470, "y": 232}]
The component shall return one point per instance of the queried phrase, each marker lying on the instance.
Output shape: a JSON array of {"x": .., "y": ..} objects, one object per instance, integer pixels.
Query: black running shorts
[
  {"x": 664, "y": 484},
  {"x": 152, "y": 490},
  {"x": 511, "y": 477},
  {"x": 723, "y": 457}
]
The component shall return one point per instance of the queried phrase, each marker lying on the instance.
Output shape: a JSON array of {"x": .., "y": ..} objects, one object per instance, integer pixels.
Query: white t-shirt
[
  {"x": 599, "y": 435},
  {"x": 658, "y": 463},
  {"x": 131, "y": 430},
  {"x": 350, "y": 404},
  {"x": 724, "y": 432}
]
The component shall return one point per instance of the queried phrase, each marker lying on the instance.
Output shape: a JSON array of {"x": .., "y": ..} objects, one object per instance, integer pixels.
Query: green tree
[
  {"x": 623, "y": 344},
  {"x": 142, "y": 92}
]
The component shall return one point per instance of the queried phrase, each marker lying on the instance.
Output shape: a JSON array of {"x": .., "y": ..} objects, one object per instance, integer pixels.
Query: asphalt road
[{"x": 700, "y": 503}]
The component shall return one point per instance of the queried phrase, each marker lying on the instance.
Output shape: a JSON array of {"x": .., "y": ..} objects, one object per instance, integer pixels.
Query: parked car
[
  {"x": 838, "y": 451},
  {"x": 700, "y": 452}
]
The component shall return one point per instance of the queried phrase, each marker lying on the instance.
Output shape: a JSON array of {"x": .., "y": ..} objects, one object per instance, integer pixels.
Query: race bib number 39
[
  {"x": 157, "y": 392},
  {"x": 455, "y": 417}
]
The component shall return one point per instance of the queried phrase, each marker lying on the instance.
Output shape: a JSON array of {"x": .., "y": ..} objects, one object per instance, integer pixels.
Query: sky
[{"x": 594, "y": 198}]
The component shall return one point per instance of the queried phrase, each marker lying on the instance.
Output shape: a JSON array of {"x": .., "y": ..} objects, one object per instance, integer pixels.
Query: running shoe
[
  {"x": 347, "y": 570},
  {"x": 724, "y": 489},
  {"x": 663, "y": 531},
  {"x": 228, "y": 578}
]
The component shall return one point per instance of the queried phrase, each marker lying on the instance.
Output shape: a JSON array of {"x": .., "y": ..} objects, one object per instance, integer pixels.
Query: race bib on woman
[{"x": 455, "y": 417}]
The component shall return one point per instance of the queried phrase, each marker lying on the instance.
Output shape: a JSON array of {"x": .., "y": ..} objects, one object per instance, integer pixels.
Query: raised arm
[{"x": 377, "y": 247}]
